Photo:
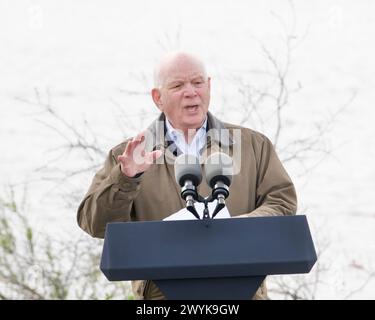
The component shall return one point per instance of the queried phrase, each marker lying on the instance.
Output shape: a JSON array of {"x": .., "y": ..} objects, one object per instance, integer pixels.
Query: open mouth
[{"x": 192, "y": 107}]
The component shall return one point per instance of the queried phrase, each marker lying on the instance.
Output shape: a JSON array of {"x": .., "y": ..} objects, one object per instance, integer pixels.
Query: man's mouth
[{"x": 192, "y": 107}]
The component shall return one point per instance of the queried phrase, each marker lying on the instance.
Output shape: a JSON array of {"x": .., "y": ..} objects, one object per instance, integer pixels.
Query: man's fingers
[
  {"x": 120, "y": 158},
  {"x": 130, "y": 152},
  {"x": 146, "y": 158},
  {"x": 152, "y": 156},
  {"x": 136, "y": 153},
  {"x": 132, "y": 144},
  {"x": 156, "y": 154},
  {"x": 140, "y": 137},
  {"x": 129, "y": 148}
]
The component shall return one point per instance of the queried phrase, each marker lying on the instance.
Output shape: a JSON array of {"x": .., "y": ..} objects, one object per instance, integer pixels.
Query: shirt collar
[
  {"x": 155, "y": 133},
  {"x": 172, "y": 132}
]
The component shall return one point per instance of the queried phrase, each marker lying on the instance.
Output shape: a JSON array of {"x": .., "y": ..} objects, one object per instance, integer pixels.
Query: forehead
[{"x": 183, "y": 69}]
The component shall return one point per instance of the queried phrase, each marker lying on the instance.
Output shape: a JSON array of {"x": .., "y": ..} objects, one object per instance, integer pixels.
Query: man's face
[{"x": 185, "y": 94}]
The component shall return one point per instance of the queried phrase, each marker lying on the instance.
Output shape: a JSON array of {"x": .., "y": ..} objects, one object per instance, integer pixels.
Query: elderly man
[{"x": 135, "y": 185}]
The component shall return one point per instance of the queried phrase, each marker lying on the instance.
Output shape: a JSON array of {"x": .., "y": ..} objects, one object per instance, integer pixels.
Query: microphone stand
[
  {"x": 206, "y": 213},
  {"x": 190, "y": 194}
]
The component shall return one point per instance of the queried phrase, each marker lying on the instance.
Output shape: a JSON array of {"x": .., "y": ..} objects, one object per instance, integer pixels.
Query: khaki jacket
[{"x": 261, "y": 188}]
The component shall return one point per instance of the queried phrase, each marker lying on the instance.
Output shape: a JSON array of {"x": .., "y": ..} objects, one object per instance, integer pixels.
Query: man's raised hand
[{"x": 135, "y": 159}]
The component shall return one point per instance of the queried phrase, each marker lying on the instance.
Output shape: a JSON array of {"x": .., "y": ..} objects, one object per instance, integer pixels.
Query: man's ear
[
  {"x": 156, "y": 96},
  {"x": 209, "y": 83}
]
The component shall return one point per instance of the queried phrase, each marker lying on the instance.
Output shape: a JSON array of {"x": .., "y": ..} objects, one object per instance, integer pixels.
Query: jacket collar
[{"x": 217, "y": 133}]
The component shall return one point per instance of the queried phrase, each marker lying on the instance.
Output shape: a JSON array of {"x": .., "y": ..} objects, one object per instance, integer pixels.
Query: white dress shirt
[{"x": 178, "y": 137}]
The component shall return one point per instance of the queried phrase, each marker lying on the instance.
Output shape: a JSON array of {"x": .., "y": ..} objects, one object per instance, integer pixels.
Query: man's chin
[{"x": 194, "y": 123}]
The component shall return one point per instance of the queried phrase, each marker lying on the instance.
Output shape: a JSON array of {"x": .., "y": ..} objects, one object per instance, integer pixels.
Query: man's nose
[{"x": 189, "y": 90}]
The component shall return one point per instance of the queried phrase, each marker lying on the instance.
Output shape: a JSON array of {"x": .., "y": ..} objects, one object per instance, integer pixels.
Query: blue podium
[{"x": 208, "y": 259}]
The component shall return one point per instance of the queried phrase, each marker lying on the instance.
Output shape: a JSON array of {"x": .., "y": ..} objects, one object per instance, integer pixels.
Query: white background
[{"x": 86, "y": 53}]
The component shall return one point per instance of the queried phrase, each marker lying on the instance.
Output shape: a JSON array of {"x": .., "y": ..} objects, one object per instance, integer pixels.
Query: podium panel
[{"x": 201, "y": 256}]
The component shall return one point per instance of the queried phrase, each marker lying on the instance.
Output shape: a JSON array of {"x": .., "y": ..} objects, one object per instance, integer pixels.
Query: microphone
[
  {"x": 219, "y": 175},
  {"x": 187, "y": 171}
]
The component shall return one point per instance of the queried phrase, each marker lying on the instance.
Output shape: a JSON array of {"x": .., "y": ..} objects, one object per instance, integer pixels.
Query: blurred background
[{"x": 75, "y": 78}]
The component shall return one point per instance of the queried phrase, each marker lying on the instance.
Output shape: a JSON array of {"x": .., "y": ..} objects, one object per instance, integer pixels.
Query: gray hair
[{"x": 159, "y": 70}]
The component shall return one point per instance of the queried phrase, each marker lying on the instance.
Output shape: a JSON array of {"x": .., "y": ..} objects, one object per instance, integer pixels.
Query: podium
[{"x": 208, "y": 259}]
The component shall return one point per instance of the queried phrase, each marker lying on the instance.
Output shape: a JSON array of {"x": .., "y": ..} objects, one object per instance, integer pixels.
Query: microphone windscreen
[
  {"x": 218, "y": 166},
  {"x": 187, "y": 167}
]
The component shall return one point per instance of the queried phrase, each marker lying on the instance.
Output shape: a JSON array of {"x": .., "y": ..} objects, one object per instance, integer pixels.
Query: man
[{"x": 137, "y": 180}]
